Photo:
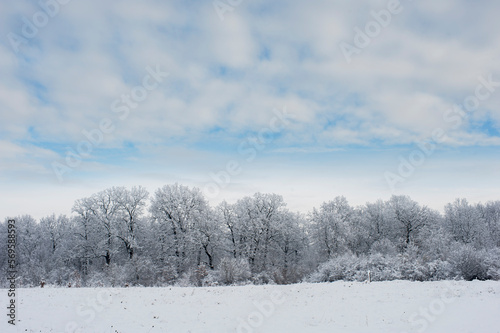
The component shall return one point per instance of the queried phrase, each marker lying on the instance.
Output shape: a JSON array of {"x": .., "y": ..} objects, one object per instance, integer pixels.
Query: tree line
[{"x": 123, "y": 236}]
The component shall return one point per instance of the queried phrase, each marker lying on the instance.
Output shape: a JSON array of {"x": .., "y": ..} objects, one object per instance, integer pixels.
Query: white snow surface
[{"x": 396, "y": 306}]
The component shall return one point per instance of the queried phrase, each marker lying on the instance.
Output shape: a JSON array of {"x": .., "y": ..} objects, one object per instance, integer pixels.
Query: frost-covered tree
[
  {"x": 291, "y": 246},
  {"x": 408, "y": 218},
  {"x": 98, "y": 216},
  {"x": 490, "y": 215},
  {"x": 208, "y": 235},
  {"x": 179, "y": 212},
  {"x": 378, "y": 221},
  {"x": 357, "y": 233},
  {"x": 131, "y": 205},
  {"x": 57, "y": 244},
  {"x": 232, "y": 233},
  {"x": 31, "y": 254},
  {"x": 329, "y": 226},
  {"x": 86, "y": 231},
  {"x": 464, "y": 222},
  {"x": 258, "y": 220}
]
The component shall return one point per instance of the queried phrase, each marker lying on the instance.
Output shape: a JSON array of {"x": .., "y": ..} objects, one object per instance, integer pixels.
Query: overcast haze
[{"x": 230, "y": 72}]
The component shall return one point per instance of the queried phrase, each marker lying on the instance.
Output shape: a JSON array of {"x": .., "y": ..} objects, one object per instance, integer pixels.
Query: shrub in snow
[
  {"x": 332, "y": 270},
  {"x": 382, "y": 268},
  {"x": 279, "y": 276},
  {"x": 231, "y": 271},
  {"x": 97, "y": 279},
  {"x": 263, "y": 278},
  {"x": 413, "y": 270},
  {"x": 440, "y": 270},
  {"x": 211, "y": 280},
  {"x": 492, "y": 261},
  {"x": 62, "y": 275},
  {"x": 117, "y": 275},
  {"x": 383, "y": 246},
  {"x": 139, "y": 271},
  {"x": 469, "y": 263},
  {"x": 32, "y": 274},
  {"x": 352, "y": 268},
  {"x": 75, "y": 279},
  {"x": 195, "y": 276},
  {"x": 411, "y": 266},
  {"x": 185, "y": 279},
  {"x": 166, "y": 275},
  {"x": 287, "y": 275}
]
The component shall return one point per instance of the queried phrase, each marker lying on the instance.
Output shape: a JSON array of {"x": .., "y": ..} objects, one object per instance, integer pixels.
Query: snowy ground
[{"x": 398, "y": 306}]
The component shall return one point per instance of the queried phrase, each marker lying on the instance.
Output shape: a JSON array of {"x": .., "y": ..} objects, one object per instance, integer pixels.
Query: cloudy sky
[{"x": 307, "y": 99}]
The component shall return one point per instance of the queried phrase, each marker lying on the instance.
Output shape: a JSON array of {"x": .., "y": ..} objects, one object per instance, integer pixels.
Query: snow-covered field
[{"x": 397, "y": 306}]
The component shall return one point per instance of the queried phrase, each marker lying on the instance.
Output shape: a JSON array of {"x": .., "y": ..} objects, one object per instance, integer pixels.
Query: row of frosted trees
[{"x": 123, "y": 237}]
